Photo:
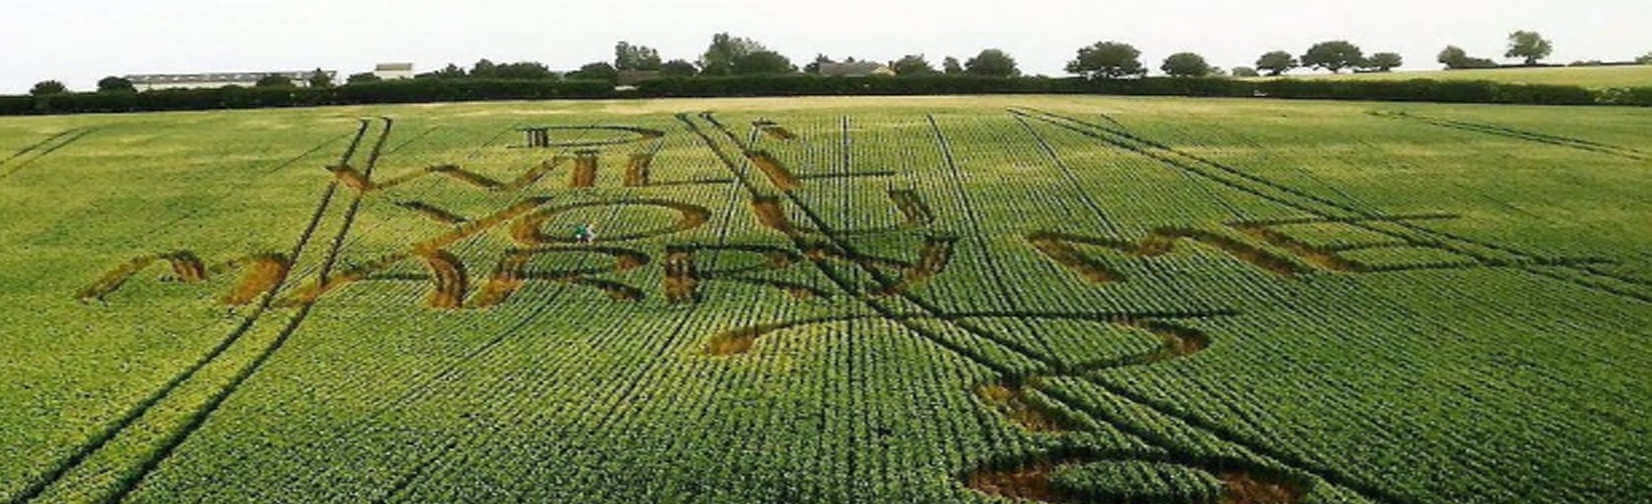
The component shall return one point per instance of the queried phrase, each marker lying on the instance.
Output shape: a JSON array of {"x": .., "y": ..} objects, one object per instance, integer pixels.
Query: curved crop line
[
  {"x": 527, "y": 230},
  {"x": 1178, "y": 341},
  {"x": 200, "y": 416},
  {"x": 1328, "y": 475},
  {"x": 1027, "y": 477},
  {"x": 1161, "y": 153},
  {"x": 138, "y": 410},
  {"x": 643, "y": 134}
]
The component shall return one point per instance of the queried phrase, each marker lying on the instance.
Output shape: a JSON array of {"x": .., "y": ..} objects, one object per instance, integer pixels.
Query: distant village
[{"x": 300, "y": 78}]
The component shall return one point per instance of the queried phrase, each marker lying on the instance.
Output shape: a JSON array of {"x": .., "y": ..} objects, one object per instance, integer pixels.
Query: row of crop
[{"x": 440, "y": 90}]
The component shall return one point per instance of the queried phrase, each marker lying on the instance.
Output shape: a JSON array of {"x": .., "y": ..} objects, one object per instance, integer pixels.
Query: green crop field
[
  {"x": 1590, "y": 77},
  {"x": 941, "y": 299}
]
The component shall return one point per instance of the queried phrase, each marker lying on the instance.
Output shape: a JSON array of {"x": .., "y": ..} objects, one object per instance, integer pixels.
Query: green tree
[
  {"x": 451, "y": 71},
  {"x": 678, "y": 68},
  {"x": 113, "y": 84},
  {"x": 361, "y": 78},
  {"x": 484, "y": 69},
  {"x": 992, "y": 63},
  {"x": 48, "y": 87},
  {"x": 1333, "y": 55},
  {"x": 273, "y": 81},
  {"x": 724, "y": 50},
  {"x": 320, "y": 79},
  {"x": 1185, "y": 64},
  {"x": 1241, "y": 71},
  {"x": 912, "y": 64},
  {"x": 635, "y": 57},
  {"x": 814, "y": 66},
  {"x": 1107, "y": 60},
  {"x": 1384, "y": 61},
  {"x": 600, "y": 70},
  {"x": 522, "y": 70},
  {"x": 1645, "y": 59},
  {"x": 762, "y": 62},
  {"x": 1276, "y": 63},
  {"x": 1452, "y": 56},
  {"x": 951, "y": 67},
  {"x": 1528, "y": 45}
]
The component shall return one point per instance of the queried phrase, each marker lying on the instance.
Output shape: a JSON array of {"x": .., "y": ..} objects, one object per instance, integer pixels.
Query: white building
[
  {"x": 146, "y": 82},
  {"x": 393, "y": 71}
]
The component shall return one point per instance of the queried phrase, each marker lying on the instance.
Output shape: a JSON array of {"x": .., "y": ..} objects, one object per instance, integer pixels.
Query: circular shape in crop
[
  {"x": 529, "y": 230},
  {"x": 597, "y": 136}
]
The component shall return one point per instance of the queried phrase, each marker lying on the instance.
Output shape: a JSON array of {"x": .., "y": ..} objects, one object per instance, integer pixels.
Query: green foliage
[
  {"x": 911, "y": 65},
  {"x": 725, "y": 50},
  {"x": 1384, "y": 61},
  {"x": 1241, "y": 71},
  {"x": 1645, "y": 59},
  {"x": 635, "y": 57},
  {"x": 1528, "y": 46},
  {"x": 1333, "y": 55},
  {"x": 1454, "y": 57},
  {"x": 992, "y": 63},
  {"x": 951, "y": 66},
  {"x": 48, "y": 87},
  {"x": 484, "y": 69},
  {"x": 600, "y": 70},
  {"x": 761, "y": 63},
  {"x": 678, "y": 68},
  {"x": 362, "y": 78},
  {"x": 452, "y": 71},
  {"x": 1276, "y": 63},
  {"x": 274, "y": 81},
  {"x": 113, "y": 84},
  {"x": 523, "y": 70},
  {"x": 1107, "y": 60},
  {"x": 1185, "y": 64},
  {"x": 887, "y": 378},
  {"x": 320, "y": 79}
]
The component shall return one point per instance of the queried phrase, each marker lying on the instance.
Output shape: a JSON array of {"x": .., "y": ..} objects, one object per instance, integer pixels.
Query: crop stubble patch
[
  {"x": 1059, "y": 248},
  {"x": 683, "y": 277},
  {"x": 433, "y": 212},
  {"x": 777, "y": 173},
  {"x": 1031, "y": 479},
  {"x": 261, "y": 273},
  {"x": 774, "y": 130},
  {"x": 512, "y": 272},
  {"x": 1010, "y": 400},
  {"x": 540, "y": 136},
  {"x": 585, "y": 169}
]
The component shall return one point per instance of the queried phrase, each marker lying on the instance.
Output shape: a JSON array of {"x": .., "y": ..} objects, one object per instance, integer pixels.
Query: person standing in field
[{"x": 585, "y": 233}]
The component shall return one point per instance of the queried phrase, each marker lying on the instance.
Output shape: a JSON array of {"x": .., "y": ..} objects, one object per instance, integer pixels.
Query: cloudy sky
[{"x": 81, "y": 41}]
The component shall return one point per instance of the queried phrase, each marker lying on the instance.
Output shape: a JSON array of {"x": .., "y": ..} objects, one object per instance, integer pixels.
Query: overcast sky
[{"x": 80, "y": 41}]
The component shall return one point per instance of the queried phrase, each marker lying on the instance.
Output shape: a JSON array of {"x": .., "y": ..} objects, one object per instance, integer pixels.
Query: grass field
[
  {"x": 1062, "y": 299},
  {"x": 1589, "y": 77}
]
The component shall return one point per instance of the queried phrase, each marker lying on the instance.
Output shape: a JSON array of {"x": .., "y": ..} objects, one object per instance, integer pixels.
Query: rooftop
[{"x": 220, "y": 76}]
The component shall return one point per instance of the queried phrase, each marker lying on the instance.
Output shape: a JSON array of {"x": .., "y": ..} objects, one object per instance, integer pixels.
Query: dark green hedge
[{"x": 441, "y": 90}]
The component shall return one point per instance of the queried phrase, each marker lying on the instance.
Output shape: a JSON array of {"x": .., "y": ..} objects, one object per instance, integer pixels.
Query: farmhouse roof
[
  {"x": 393, "y": 67},
  {"x": 221, "y": 76},
  {"x": 855, "y": 69}
]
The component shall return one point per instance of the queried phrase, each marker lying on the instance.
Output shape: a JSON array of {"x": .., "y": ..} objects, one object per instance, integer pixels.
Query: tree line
[{"x": 728, "y": 56}]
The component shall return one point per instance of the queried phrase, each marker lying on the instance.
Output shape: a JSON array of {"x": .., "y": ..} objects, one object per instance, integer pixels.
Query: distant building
[
  {"x": 146, "y": 82},
  {"x": 855, "y": 69},
  {"x": 393, "y": 71}
]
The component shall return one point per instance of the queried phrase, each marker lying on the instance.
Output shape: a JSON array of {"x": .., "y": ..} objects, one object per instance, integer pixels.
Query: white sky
[{"x": 80, "y": 41}]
